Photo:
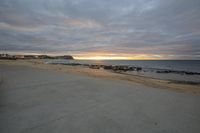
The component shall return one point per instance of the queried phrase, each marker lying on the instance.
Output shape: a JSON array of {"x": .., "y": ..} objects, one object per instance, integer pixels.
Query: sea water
[{"x": 179, "y": 65}]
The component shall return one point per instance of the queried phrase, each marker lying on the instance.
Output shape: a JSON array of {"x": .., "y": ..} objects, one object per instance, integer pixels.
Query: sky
[{"x": 88, "y": 29}]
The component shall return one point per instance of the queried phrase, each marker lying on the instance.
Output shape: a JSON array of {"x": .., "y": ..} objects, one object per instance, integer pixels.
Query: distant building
[
  {"x": 19, "y": 56},
  {"x": 4, "y": 55},
  {"x": 7, "y": 57}
]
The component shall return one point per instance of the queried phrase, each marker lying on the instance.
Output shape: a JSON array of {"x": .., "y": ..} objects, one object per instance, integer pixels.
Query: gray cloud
[{"x": 157, "y": 27}]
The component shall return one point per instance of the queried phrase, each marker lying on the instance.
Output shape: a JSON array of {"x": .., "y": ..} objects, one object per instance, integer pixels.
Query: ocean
[{"x": 179, "y": 65}]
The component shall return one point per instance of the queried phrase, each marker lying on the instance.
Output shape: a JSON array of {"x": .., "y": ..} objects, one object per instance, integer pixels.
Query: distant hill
[
  {"x": 64, "y": 57},
  {"x": 69, "y": 57},
  {"x": 11, "y": 57}
]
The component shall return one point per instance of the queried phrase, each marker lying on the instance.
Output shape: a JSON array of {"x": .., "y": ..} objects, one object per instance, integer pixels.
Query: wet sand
[{"x": 59, "y": 100}]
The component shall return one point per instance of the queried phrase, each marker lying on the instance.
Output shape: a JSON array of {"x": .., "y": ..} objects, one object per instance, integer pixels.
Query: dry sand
[
  {"x": 45, "y": 101},
  {"x": 133, "y": 79}
]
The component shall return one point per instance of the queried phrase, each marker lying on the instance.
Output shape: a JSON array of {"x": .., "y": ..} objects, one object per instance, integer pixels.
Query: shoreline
[{"x": 179, "y": 86}]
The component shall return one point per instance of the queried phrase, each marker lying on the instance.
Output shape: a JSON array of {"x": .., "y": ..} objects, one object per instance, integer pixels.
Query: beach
[
  {"x": 37, "y": 97},
  {"x": 175, "y": 85}
]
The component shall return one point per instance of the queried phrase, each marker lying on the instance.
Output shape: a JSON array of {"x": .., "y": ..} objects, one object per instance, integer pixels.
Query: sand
[
  {"x": 36, "y": 100},
  {"x": 133, "y": 79}
]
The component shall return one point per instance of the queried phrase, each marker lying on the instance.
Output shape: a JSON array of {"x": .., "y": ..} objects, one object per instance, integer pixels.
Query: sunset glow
[
  {"x": 103, "y": 58},
  {"x": 116, "y": 57}
]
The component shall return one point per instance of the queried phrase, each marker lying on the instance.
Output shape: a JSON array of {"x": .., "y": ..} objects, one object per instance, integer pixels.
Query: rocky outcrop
[
  {"x": 115, "y": 68},
  {"x": 178, "y": 72},
  {"x": 122, "y": 68},
  {"x": 94, "y": 66}
]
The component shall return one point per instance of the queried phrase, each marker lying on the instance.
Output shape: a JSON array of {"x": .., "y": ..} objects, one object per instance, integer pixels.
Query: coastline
[{"x": 187, "y": 87}]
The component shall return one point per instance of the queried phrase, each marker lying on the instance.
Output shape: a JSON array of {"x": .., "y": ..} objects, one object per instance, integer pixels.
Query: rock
[
  {"x": 94, "y": 66},
  {"x": 138, "y": 69},
  {"x": 108, "y": 67},
  {"x": 75, "y": 64},
  {"x": 178, "y": 72},
  {"x": 87, "y": 65},
  {"x": 125, "y": 68}
]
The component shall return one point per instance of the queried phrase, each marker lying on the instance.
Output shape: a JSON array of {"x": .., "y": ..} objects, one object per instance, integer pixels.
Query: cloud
[
  {"x": 81, "y": 23},
  {"x": 6, "y": 26},
  {"x": 153, "y": 27}
]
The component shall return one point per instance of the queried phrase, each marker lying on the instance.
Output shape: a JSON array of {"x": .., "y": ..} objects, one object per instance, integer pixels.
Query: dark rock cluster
[
  {"x": 116, "y": 67},
  {"x": 106, "y": 67},
  {"x": 178, "y": 72},
  {"x": 94, "y": 66}
]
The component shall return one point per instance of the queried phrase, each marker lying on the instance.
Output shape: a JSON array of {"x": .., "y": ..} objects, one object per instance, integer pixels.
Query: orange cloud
[{"x": 83, "y": 23}]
